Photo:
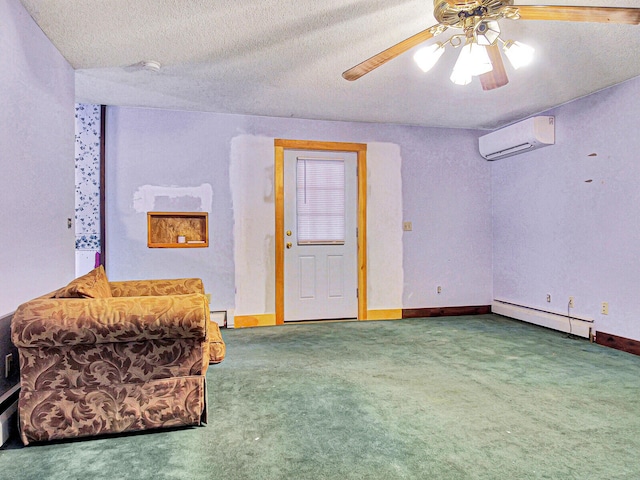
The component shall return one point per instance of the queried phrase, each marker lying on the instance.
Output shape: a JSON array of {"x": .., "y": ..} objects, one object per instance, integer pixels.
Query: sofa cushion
[
  {"x": 156, "y": 287},
  {"x": 92, "y": 285},
  {"x": 87, "y": 321},
  {"x": 217, "y": 347}
]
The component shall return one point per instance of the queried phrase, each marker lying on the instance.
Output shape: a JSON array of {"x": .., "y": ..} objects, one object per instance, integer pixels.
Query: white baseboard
[
  {"x": 218, "y": 317},
  {"x": 581, "y": 327}
]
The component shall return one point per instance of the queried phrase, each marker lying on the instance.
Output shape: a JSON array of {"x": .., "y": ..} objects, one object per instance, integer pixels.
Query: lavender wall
[
  {"x": 36, "y": 169},
  {"x": 36, "y": 158},
  {"x": 447, "y": 196},
  {"x": 566, "y": 218},
  {"x": 173, "y": 149},
  {"x": 445, "y": 193}
]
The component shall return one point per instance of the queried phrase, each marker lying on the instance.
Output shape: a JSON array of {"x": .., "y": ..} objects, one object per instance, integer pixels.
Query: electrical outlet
[
  {"x": 548, "y": 298},
  {"x": 439, "y": 289},
  {"x": 571, "y": 302},
  {"x": 407, "y": 226},
  {"x": 208, "y": 295},
  {"x": 8, "y": 363},
  {"x": 604, "y": 308}
]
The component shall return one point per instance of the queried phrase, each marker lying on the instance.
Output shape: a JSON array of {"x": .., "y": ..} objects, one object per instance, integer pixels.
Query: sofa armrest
[
  {"x": 140, "y": 288},
  {"x": 70, "y": 321}
]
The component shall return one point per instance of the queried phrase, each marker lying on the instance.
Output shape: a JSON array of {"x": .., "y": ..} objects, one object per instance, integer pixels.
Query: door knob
[
  {"x": 288, "y": 244},
  {"x": 288, "y": 233}
]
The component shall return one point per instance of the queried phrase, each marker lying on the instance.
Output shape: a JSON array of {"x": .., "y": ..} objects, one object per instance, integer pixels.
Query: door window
[{"x": 320, "y": 201}]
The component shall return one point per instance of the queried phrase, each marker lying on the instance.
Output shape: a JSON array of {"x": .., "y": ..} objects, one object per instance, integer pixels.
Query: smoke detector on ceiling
[{"x": 151, "y": 65}]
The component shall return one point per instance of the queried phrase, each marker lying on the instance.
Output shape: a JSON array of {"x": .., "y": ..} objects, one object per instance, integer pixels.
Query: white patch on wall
[
  {"x": 252, "y": 196},
  {"x": 384, "y": 227},
  {"x": 85, "y": 261},
  {"x": 251, "y": 179},
  {"x": 157, "y": 198}
]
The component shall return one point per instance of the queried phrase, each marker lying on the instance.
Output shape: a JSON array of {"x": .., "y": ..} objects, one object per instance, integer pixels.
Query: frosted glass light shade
[
  {"x": 480, "y": 62},
  {"x": 427, "y": 57},
  {"x": 461, "y": 74},
  {"x": 487, "y": 32},
  {"x": 519, "y": 54},
  {"x": 460, "y": 78},
  {"x": 473, "y": 60}
]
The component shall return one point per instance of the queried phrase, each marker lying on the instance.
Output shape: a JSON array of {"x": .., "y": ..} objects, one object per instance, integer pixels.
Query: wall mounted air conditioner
[{"x": 521, "y": 137}]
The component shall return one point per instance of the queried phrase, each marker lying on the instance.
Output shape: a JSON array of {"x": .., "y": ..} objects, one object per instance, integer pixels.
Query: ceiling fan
[{"x": 480, "y": 37}]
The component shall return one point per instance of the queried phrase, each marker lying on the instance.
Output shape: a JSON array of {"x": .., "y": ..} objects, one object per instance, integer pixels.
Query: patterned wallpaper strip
[{"x": 87, "y": 160}]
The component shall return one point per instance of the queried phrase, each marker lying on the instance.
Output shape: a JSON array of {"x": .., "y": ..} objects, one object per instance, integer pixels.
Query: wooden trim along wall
[
  {"x": 619, "y": 343},
  {"x": 389, "y": 314},
  {"x": 362, "y": 232},
  {"x": 278, "y": 181},
  {"x": 263, "y": 320},
  {"x": 280, "y": 145},
  {"x": 103, "y": 221},
  {"x": 266, "y": 319},
  {"x": 445, "y": 311}
]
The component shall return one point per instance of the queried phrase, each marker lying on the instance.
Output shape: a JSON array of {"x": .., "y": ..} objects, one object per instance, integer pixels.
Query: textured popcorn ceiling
[{"x": 285, "y": 58}]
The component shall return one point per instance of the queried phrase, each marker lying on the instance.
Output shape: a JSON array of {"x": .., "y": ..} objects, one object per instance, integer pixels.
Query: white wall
[
  {"x": 253, "y": 202},
  {"x": 36, "y": 161},
  {"x": 385, "y": 248},
  {"x": 566, "y": 219},
  {"x": 176, "y": 150}
]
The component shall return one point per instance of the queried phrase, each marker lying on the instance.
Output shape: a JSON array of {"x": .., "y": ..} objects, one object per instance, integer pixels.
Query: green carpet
[{"x": 479, "y": 397}]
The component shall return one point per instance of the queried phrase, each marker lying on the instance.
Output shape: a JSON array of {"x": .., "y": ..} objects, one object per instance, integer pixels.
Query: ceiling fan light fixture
[
  {"x": 427, "y": 57},
  {"x": 479, "y": 22},
  {"x": 519, "y": 54},
  {"x": 481, "y": 63},
  {"x": 476, "y": 59},
  {"x": 472, "y": 61},
  {"x": 487, "y": 32},
  {"x": 461, "y": 74},
  {"x": 460, "y": 77}
]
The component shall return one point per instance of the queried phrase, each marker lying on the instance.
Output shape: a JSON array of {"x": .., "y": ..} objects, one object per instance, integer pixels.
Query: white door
[{"x": 320, "y": 222}]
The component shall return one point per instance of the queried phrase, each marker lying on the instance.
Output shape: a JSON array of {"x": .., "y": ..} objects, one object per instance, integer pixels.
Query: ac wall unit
[{"x": 521, "y": 137}]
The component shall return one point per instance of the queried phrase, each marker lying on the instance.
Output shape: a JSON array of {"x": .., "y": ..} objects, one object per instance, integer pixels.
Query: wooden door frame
[{"x": 360, "y": 149}]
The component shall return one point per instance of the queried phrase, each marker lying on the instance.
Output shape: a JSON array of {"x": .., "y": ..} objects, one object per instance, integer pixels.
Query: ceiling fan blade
[
  {"x": 630, "y": 16},
  {"x": 497, "y": 77},
  {"x": 390, "y": 53}
]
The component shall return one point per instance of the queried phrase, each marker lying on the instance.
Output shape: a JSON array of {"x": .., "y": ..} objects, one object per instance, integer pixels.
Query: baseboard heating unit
[{"x": 581, "y": 327}]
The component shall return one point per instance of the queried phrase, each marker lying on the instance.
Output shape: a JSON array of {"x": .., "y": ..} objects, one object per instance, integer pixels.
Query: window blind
[{"x": 320, "y": 198}]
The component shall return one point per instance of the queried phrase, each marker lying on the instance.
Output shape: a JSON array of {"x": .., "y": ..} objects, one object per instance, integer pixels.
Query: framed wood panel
[{"x": 177, "y": 229}]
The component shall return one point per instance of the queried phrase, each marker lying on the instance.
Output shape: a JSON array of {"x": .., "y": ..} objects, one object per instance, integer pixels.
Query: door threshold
[{"x": 321, "y": 320}]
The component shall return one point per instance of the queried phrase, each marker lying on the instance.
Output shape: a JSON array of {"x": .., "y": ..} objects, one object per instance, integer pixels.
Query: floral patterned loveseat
[{"x": 101, "y": 357}]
